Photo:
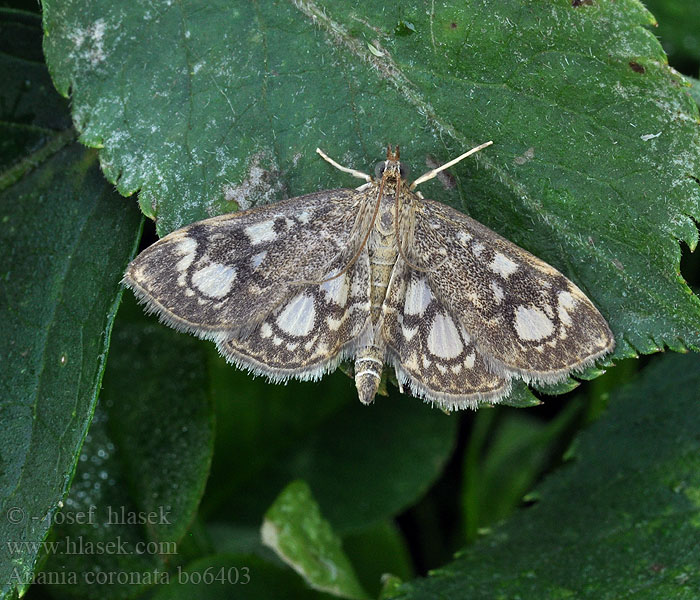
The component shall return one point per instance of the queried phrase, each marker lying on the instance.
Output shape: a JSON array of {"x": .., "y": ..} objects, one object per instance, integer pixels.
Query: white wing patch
[
  {"x": 214, "y": 280},
  {"x": 502, "y": 265},
  {"x": 469, "y": 361},
  {"x": 408, "y": 332},
  {"x": 463, "y": 237},
  {"x": 187, "y": 248},
  {"x": 337, "y": 290},
  {"x": 444, "y": 339},
  {"x": 261, "y": 232},
  {"x": 532, "y": 324},
  {"x": 257, "y": 259},
  {"x": 298, "y": 316},
  {"x": 418, "y": 297},
  {"x": 566, "y": 303},
  {"x": 497, "y": 292}
]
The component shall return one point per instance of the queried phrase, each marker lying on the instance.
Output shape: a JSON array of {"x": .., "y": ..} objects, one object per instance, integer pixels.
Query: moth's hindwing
[
  {"x": 431, "y": 350},
  {"x": 525, "y": 317},
  {"x": 221, "y": 277},
  {"x": 311, "y": 332}
]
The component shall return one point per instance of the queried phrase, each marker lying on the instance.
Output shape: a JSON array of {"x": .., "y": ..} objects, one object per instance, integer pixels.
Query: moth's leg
[
  {"x": 454, "y": 161},
  {"x": 353, "y": 172}
]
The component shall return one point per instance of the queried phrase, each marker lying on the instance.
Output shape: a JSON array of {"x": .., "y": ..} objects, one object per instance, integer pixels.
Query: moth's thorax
[
  {"x": 385, "y": 236},
  {"x": 383, "y": 253},
  {"x": 390, "y": 205},
  {"x": 384, "y": 224}
]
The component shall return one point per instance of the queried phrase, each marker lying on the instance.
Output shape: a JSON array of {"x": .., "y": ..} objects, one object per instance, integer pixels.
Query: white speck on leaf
[
  {"x": 527, "y": 156},
  {"x": 263, "y": 184},
  {"x": 89, "y": 42}
]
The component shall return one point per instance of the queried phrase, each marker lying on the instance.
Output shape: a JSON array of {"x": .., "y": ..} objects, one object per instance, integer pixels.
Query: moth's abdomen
[{"x": 368, "y": 372}]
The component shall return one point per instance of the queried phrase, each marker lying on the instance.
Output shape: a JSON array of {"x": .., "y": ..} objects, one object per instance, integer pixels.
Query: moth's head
[{"x": 391, "y": 170}]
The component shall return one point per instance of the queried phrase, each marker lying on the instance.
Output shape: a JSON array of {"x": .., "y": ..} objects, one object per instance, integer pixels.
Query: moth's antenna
[
  {"x": 353, "y": 172},
  {"x": 434, "y": 172}
]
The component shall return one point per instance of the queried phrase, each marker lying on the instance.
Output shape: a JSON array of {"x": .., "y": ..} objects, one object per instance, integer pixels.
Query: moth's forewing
[{"x": 221, "y": 277}]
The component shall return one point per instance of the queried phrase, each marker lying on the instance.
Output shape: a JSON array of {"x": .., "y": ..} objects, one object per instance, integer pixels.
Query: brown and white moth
[{"x": 378, "y": 274}]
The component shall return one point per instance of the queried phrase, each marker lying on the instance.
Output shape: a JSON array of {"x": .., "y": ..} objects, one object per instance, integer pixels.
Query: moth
[{"x": 380, "y": 275}]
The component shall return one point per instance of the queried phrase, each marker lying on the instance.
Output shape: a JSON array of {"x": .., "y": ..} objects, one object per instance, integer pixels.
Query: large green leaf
[
  {"x": 143, "y": 467},
  {"x": 621, "y": 521},
  {"x": 206, "y": 106},
  {"x": 66, "y": 238}
]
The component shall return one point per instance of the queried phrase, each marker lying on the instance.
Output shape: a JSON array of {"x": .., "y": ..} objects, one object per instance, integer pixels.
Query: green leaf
[
  {"x": 207, "y": 107},
  {"x": 521, "y": 397},
  {"x": 65, "y": 239},
  {"x": 295, "y": 529},
  {"x": 144, "y": 464},
  {"x": 31, "y": 111},
  {"x": 271, "y": 435},
  {"x": 622, "y": 520},
  {"x": 64, "y": 223}
]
